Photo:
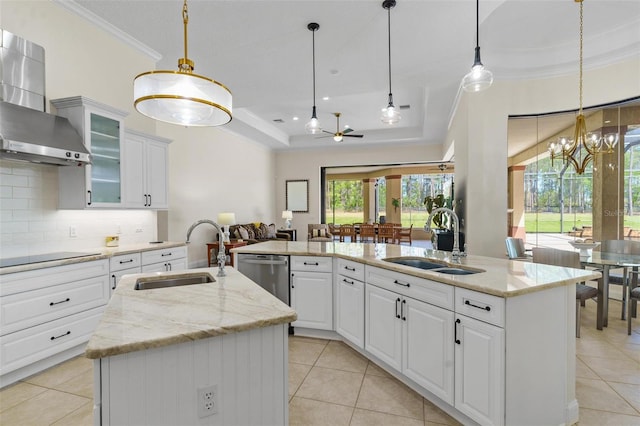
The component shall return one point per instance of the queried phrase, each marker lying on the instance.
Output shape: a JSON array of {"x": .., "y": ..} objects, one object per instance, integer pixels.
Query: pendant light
[
  {"x": 390, "y": 115},
  {"x": 313, "y": 126},
  {"x": 479, "y": 78},
  {"x": 182, "y": 97}
]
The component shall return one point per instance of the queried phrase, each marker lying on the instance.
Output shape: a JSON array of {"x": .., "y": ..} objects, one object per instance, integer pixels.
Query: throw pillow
[
  {"x": 271, "y": 231},
  {"x": 243, "y": 233},
  {"x": 319, "y": 233}
]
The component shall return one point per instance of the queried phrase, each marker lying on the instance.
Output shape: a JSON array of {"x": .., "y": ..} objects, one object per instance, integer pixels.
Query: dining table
[{"x": 607, "y": 261}]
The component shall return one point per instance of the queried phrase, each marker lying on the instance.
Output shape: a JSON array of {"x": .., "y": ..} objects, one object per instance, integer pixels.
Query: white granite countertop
[
  {"x": 100, "y": 253},
  {"x": 501, "y": 277},
  {"x": 142, "y": 319}
]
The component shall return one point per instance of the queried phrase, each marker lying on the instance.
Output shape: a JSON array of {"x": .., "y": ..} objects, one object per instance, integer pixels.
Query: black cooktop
[{"x": 38, "y": 258}]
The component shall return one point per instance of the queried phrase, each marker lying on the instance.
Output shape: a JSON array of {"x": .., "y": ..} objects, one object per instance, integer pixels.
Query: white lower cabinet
[
  {"x": 413, "y": 337},
  {"x": 479, "y": 370},
  {"x": 311, "y": 289},
  {"x": 163, "y": 260},
  {"x": 47, "y": 315},
  {"x": 350, "y": 310}
]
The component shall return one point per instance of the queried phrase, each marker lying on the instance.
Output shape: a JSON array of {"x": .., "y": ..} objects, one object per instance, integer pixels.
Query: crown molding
[{"x": 97, "y": 21}]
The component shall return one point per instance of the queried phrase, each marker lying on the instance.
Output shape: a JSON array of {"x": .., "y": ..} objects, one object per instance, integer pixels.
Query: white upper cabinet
[
  {"x": 98, "y": 185},
  {"x": 145, "y": 171}
]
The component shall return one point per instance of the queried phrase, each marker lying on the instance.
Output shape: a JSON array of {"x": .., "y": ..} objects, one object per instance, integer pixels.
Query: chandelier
[
  {"x": 182, "y": 97},
  {"x": 593, "y": 143}
]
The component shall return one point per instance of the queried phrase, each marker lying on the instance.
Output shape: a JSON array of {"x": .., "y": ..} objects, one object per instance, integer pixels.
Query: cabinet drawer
[
  {"x": 428, "y": 291},
  {"x": 485, "y": 307},
  {"x": 311, "y": 263},
  {"x": 47, "y": 277},
  {"x": 27, "y": 309},
  {"x": 125, "y": 261},
  {"x": 163, "y": 255},
  {"x": 114, "y": 278},
  {"x": 351, "y": 269},
  {"x": 28, "y": 346}
]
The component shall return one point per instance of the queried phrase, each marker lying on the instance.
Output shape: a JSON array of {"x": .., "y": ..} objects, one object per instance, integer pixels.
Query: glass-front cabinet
[{"x": 99, "y": 184}]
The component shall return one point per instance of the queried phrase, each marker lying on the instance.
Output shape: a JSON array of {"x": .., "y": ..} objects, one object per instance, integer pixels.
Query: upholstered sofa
[{"x": 257, "y": 232}]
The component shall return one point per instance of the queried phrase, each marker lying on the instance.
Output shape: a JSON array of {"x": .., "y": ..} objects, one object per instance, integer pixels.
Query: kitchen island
[
  {"x": 209, "y": 353},
  {"x": 493, "y": 343}
]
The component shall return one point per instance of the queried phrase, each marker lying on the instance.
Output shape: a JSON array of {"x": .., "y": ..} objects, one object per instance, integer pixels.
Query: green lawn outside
[
  {"x": 550, "y": 222},
  {"x": 546, "y": 222},
  {"x": 418, "y": 218}
]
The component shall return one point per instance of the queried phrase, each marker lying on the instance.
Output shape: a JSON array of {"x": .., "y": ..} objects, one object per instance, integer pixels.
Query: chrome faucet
[
  {"x": 222, "y": 257},
  {"x": 455, "y": 252}
]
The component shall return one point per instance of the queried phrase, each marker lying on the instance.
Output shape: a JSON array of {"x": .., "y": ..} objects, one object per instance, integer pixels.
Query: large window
[
  {"x": 558, "y": 202},
  {"x": 414, "y": 190},
  {"x": 344, "y": 201}
]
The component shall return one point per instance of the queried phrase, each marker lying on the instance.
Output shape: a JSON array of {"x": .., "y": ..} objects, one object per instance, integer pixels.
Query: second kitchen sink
[{"x": 173, "y": 281}]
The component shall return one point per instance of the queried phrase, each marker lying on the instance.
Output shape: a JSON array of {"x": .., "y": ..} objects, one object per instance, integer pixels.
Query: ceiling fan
[{"x": 338, "y": 135}]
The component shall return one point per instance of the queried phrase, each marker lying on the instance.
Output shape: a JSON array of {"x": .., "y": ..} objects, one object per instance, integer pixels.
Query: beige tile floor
[{"x": 330, "y": 384}]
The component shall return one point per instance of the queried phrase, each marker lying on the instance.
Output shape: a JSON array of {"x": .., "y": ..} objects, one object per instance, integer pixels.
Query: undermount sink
[
  {"x": 415, "y": 262},
  {"x": 173, "y": 281},
  {"x": 455, "y": 271},
  {"x": 430, "y": 265}
]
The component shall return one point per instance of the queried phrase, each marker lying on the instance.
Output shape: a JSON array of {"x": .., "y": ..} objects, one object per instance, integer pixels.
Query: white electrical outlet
[
  {"x": 118, "y": 229},
  {"x": 207, "y": 401},
  {"x": 139, "y": 228},
  {"x": 72, "y": 232}
]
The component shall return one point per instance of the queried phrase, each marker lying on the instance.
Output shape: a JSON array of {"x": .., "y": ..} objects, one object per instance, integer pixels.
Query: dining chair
[
  {"x": 404, "y": 234},
  {"x": 386, "y": 233},
  {"x": 634, "y": 296},
  {"x": 349, "y": 231},
  {"x": 334, "y": 230},
  {"x": 569, "y": 259},
  {"x": 620, "y": 247},
  {"x": 367, "y": 231},
  {"x": 515, "y": 248}
]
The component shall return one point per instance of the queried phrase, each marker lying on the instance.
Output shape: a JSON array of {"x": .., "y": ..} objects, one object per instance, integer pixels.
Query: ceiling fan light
[
  {"x": 337, "y": 138},
  {"x": 478, "y": 79}
]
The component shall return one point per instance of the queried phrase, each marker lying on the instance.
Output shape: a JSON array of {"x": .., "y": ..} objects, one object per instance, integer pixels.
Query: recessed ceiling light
[
  {"x": 295, "y": 118},
  {"x": 326, "y": 98},
  {"x": 607, "y": 121}
]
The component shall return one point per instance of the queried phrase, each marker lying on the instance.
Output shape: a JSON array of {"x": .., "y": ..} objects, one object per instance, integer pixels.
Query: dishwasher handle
[{"x": 264, "y": 262}]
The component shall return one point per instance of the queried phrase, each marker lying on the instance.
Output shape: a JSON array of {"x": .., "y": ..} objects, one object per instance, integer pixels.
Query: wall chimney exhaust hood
[
  {"x": 27, "y": 133},
  {"x": 30, "y": 135}
]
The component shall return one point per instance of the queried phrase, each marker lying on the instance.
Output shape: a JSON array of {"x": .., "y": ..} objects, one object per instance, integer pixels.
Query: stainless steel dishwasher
[{"x": 270, "y": 271}]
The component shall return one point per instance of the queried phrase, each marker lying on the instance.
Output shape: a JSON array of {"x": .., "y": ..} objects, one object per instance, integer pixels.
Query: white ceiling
[{"x": 261, "y": 50}]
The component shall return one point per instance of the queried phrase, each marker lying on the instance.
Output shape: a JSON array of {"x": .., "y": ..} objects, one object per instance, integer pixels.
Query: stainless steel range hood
[{"x": 30, "y": 135}]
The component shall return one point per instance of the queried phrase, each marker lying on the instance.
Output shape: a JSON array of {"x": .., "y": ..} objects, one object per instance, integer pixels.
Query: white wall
[
  {"x": 306, "y": 164},
  {"x": 213, "y": 171}
]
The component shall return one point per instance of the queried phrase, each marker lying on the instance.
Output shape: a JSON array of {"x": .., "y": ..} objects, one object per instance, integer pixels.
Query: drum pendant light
[
  {"x": 390, "y": 115},
  {"x": 182, "y": 97},
  {"x": 313, "y": 126},
  {"x": 479, "y": 78}
]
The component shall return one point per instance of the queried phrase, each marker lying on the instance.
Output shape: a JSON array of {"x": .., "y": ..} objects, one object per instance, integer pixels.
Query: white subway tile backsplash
[
  {"x": 14, "y": 180},
  {"x": 30, "y": 222}
]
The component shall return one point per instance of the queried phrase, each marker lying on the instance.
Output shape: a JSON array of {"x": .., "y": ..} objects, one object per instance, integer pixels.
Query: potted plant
[
  {"x": 395, "y": 203},
  {"x": 441, "y": 224}
]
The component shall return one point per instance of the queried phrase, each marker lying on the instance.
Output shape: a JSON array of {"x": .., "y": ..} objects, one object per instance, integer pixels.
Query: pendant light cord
[
  {"x": 313, "y": 48},
  {"x": 580, "y": 86},
  {"x": 477, "y": 23},
  {"x": 389, "y": 40}
]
